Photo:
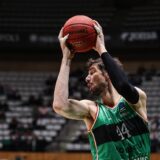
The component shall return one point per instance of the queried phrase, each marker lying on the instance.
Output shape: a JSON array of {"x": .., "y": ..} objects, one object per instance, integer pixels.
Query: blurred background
[{"x": 30, "y": 58}]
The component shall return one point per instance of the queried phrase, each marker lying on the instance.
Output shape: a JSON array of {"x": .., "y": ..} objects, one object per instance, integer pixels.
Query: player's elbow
[{"x": 57, "y": 107}]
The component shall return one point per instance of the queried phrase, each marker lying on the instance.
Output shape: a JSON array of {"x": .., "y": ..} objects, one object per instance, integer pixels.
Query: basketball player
[{"x": 117, "y": 122}]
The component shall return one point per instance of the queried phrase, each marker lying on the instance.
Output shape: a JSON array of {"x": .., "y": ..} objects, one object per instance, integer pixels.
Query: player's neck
[{"x": 112, "y": 97}]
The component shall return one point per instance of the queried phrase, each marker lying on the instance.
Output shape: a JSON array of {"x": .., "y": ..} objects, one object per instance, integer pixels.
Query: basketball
[{"x": 82, "y": 34}]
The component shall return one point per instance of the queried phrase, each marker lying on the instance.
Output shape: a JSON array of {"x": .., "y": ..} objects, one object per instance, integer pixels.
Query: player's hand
[
  {"x": 65, "y": 50},
  {"x": 100, "y": 43}
]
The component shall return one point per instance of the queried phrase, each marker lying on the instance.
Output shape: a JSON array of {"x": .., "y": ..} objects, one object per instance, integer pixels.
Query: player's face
[{"x": 96, "y": 81}]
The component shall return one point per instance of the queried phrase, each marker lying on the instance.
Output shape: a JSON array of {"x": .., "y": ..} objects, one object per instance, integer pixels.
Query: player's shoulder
[{"x": 141, "y": 92}]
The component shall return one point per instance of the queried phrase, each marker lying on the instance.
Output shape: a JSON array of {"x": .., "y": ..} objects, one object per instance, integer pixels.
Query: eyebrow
[{"x": 91, "y": 68}]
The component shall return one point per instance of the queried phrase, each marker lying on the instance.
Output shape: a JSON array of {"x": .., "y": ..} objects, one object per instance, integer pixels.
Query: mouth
[{"x": 90, "y": 86}]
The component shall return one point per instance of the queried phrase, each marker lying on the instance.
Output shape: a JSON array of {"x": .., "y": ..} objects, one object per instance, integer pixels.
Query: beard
[{"x": 98, "y": 90}]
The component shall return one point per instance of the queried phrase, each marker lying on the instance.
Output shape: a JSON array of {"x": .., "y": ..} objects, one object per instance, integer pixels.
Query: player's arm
[
  {"x": 140, "y": 106},
  {"x": 73, "y": 109},
  {"x": 62, "y": 105},
  {"x": 134, "y": 96},
  {"x": 69, "y": 108}
]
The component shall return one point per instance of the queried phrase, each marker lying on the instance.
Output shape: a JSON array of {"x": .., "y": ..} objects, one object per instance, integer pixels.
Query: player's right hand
[{"x": 65, "y": 50}]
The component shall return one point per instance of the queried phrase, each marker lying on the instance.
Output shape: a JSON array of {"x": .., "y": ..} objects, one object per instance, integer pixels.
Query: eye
[{"x": 92, "y": 72}]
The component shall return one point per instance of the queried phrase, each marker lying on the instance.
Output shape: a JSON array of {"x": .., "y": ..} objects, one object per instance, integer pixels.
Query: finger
[
  {"x": 99, "y": 26},
  {"x": 94, "y": 48},
  {"x": 97, "y": 23},
  {"x": 98, "y": 30},
  {"x": 65, "y": 37},
  {"x": 60, "y": 34}
]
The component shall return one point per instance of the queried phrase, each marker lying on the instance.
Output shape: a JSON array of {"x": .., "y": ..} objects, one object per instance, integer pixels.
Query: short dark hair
[
  {"x": 100, "y": 64},
  {"x": 97, "y": 61}
]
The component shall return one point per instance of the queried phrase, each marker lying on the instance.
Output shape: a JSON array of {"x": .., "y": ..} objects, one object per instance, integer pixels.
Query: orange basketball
[{"x": 82, "y": 34}]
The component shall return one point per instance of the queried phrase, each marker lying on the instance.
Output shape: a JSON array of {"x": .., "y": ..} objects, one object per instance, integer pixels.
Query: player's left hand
[{"x": 100, "y": 43}]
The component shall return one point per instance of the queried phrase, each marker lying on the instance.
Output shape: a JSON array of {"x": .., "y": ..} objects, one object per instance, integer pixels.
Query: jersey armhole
[{"x": 95, "y": 118}]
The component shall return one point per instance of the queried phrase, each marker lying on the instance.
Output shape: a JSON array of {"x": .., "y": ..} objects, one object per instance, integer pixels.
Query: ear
[{"x": 106, "y": 76}]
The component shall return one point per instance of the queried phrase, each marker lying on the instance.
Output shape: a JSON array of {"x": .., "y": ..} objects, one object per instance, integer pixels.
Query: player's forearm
[
  {"x": 119, "y": 79},
  {"x": 61, "y": 88}
]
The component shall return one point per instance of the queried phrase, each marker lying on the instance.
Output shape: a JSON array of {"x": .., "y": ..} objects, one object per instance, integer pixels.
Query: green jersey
[{"x": 119, "y": 133}]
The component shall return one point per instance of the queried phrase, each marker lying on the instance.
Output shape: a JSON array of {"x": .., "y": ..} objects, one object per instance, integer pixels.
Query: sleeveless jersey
[{"x": 119, "y": 133}]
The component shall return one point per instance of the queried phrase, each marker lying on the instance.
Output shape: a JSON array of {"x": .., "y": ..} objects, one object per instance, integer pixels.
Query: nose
[{"x": 88, "y": 78}]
